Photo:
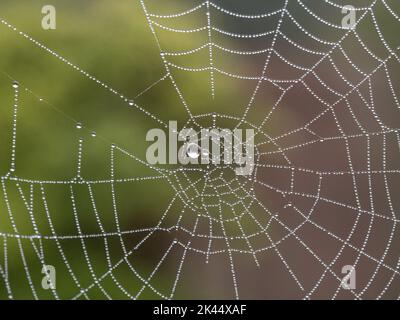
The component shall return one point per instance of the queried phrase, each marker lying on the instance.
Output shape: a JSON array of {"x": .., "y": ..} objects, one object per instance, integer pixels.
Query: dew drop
[
  {"x": 193, "y": 151},
  {"x": 93, "y": 134},
  {"x": 79, "y": 125},
  {"x": 15, "y": 84}
]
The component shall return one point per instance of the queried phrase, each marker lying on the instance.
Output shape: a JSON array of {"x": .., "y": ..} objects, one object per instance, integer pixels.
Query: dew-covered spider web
[{"x": 323, "y": 100}]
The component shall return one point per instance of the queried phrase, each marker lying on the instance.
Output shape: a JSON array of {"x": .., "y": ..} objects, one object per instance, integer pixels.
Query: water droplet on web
[
  {"x": 93, "y": 134},
  {"x": 79, "y": 125},
  {"x": 15, "y": 84},
  {"x": 193, "y": 151}
]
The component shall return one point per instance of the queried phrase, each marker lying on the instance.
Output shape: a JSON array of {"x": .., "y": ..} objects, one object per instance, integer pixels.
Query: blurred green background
[{"x": 112, "y": 41}]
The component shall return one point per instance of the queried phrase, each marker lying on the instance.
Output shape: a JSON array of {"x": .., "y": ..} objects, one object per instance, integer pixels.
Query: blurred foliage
[{"x": 114, "y": 43}]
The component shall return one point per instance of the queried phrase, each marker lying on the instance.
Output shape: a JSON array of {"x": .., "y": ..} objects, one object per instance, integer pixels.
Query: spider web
[{"x": 322, "y": 195}]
